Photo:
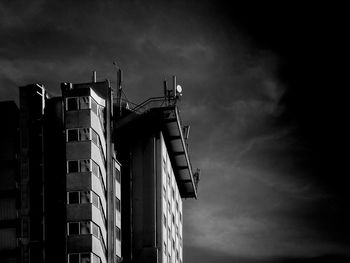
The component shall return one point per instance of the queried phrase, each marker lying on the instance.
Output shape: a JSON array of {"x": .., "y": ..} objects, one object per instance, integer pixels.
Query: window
[
  {"x": 73, "y": 198},
  {"x": 85, "y": 197},
  {"x": 95, "y": 200},
  {"x": 173, "y": 219},
  {"x": 73, "y": 228},
  {"x": 72, "y": 104},
  {"x": 72, "y": 135},
  {"x": 173, "y": 244},
  {"x": 118, "y": 233},
  {"x": 94, "y": 106},
  {"x": 169, "y": 232},
  {"x": 164, "y": 220},
  {"x": 73, "y": 258},
  {"x": 84, "y": 165},
  {"x": 169, "y": 206},
  {"x": 95, "y": 230},
  {"x": 84, "y": 134},
  {"x": 85, "y": 258},
  {"x": 84, "y": 103},
  {"x": 177, "y": 205},
  {"x": 164, "y": 245},
  {"x": 73, "y": 166},
  {"x": 173, "y": 192},
  {"x": 117, "y": 175},
  {"x": 94, "y": 137},
  {"x": 117, "y": 204},
  {"x": 101, "y": 115},
  {"x": 95, "y": 169}
]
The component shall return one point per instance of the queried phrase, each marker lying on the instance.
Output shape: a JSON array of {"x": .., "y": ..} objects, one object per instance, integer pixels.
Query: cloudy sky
[{"x": 263, "y": 93}]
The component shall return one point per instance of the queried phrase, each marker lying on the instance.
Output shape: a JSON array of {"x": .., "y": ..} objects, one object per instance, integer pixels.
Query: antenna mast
[{"x": 119, "y": 87}]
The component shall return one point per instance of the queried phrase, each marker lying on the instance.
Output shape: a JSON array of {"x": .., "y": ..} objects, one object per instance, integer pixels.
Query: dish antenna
[{"x": 179, "y": 89}]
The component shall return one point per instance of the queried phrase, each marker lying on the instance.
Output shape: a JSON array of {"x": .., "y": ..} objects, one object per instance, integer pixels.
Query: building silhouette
[{"x": 84, "y": 177}]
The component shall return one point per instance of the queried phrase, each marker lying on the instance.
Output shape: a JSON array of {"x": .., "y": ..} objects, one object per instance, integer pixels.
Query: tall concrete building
[{"x": 85, "y": 178}]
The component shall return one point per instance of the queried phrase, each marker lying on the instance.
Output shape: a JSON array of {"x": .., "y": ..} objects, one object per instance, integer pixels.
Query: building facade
[{"x": 84, "y": 178}]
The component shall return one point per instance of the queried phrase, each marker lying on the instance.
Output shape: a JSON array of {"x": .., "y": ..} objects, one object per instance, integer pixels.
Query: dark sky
[{"x": 264, "y": 91}]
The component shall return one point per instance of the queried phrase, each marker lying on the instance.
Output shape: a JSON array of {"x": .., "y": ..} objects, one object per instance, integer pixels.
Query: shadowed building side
[{"x": 9, "y": 183}]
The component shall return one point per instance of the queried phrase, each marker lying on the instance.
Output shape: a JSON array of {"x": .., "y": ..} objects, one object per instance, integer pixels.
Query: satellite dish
[{"x": 178, "y": 89}]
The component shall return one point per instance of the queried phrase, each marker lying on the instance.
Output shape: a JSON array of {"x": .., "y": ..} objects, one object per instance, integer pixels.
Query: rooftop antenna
[{"x": 119, "y": 86}]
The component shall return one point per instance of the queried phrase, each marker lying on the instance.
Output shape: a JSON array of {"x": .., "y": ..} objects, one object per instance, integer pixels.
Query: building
[
  {"x": 84, "y": 178},
  {"x": 9, "y": 183}
]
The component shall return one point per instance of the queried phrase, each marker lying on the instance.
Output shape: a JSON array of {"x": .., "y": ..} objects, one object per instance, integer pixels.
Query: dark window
[
  {"x": 85, "y": 197},
  {"x": 118, "y": 233},
  {"x": 72, "y": 104},
  {"x": 117, "y": 175},
  {"x": 84, "y": 134},
  {"x": 84, "y": 165},
  {"x": 73, "y": 228},
  {"x": 73, "y": 167},
  {"x": 73, "y": 197},
  {"x": 84, "y": 228},
  {"x": 84, "y": 103},
  {"x": 73, "y": 258},
  {"x": 164, "y": 220},
  {"x": 72, "y": 135},
  {"x": 85, "y": 258},
  {"x": 117, "y": 204}
]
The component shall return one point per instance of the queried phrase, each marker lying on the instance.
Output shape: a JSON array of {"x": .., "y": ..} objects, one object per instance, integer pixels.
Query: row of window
[
  {"x": 88, "y": 165},
  {"x": 82, "y": 197},
  {"x": 82, "y": 103},
  {"x": 86, "y": 228},
  {"x": 83, "y": 258},
  {"x": 86, "y": 102},
  {"x": 83, "y": 228},
  {"x": 83, "y": 134}
]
